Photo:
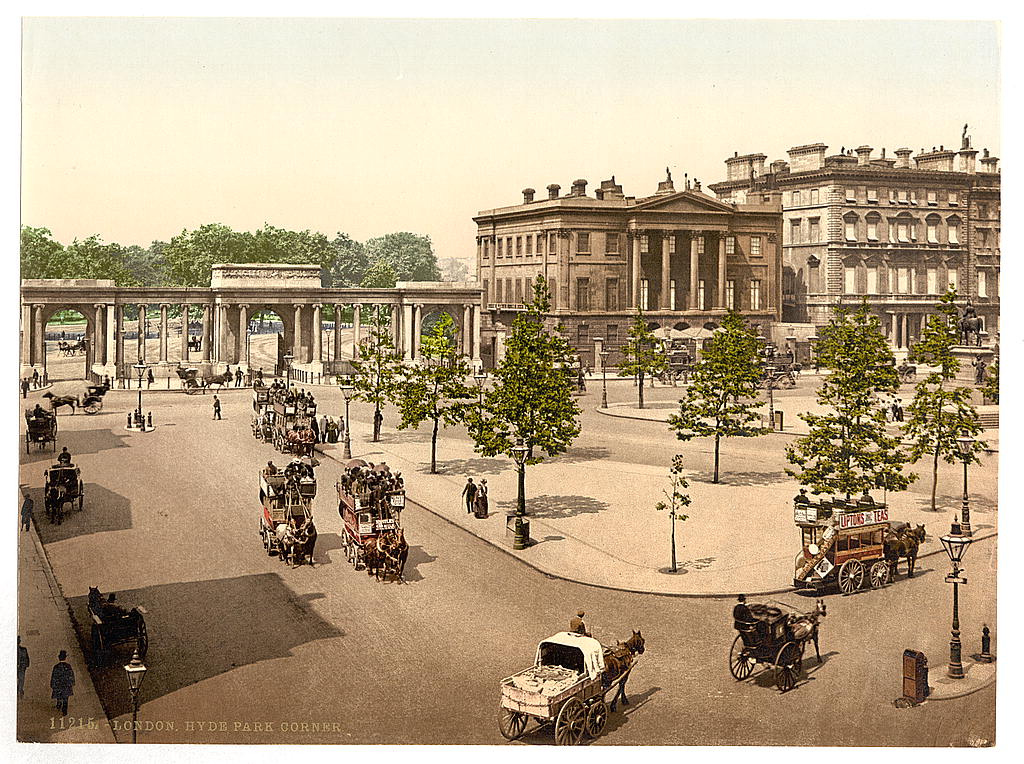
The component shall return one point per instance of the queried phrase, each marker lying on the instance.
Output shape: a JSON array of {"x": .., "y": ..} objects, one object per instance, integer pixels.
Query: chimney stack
[
  {"x": 864, "y": 155},
  {"x": 579, "y": 187},
  {"x": 989, "y": 163},
  {"x": 528, "y": 195},
  {"x": 903, "y": 158},
  {"x": 553, "y": 190}
]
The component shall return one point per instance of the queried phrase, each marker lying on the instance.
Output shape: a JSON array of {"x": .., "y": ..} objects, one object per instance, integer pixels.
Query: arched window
[
  {"x": 932, "y": 222},
  {"x": 873, "y": 219},
  {"x": 953, "y": 223},
  {"x": 850, "y": 226}
]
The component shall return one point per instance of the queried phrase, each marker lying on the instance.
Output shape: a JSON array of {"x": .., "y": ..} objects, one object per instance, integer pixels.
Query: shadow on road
[
  {"x": 80, "y": 442},
  {"x": 102, "y": 511},
  {"x": 407, "y": 436},
  {"x": 621, "y": 715},
  {"x": 742, "y": 478},
  {"x": 978, "y": 503},
  {"x": 582, "y": 454},
  {"x": 549, "y": 507},
  {"x": 417, "y": 556},
  {"x": 326, "y": 542},
  {"x": 258, "y": 618},
  {"x": 477, "y": 466}
]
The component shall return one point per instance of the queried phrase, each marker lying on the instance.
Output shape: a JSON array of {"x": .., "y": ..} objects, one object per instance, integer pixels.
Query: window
[
  {"x": 497, "y": 290},
  {"x": 583, "y": 243},
  {"x": 501, "y": 247},
  {"x": 794, "y": 231},
  {"x": 913, "y": 196},
  {"x": 611, "y": 294},
  {"x": 851, "y": 194},
  {"x": 612, "y": 335},
  {"x": 951, "y": 276},
  {"x": 644, "y": 294},
  {"x": 553, "y": 284},
  {"x": 582, "y": 294},
  {"x": 755, "y": 245},
  {"x": 954, "y": 200},
  {"x": 873, "y": 229},
  {"x": 982, "y": 210},
  {"x": 982, "y": 284},
  {"x": 872, "y": 196},
  {"x": 849, "y": 280},
  {"x": 872, "y": 281},
  {"x": 486, "y": 292},
  {"x": 933, "y": 198},
  {"x": 529, "y": 244},
  {"x": 672, "y": 294},
  {"x": 700, "y": 295},
  {"x": 850, "y": 227},
  {"x": 519, "y": 291},
  {"x": 814, "y": 196},
  {"x": 954, "y": 230},
  {"x": 611, "y": 244},
  {"x": 933, "y": 281},
  {"x": 902, "y": 197},
  {"x": 903, "y": 230},
  {"x": 730, "y": 294},
  {"x": 903, "y": 280},
  {"x": 671, "y": 245},
  {"x": 983, "y": 238},
  {"x": 892, "y": 230},
  {"x": 755, "y": 294},
  {"x": 552, "y": 245},
  {"x": 814, "y": 235},
  {"x": 794, "y": 198},
  {"x": 541, "y": 241},
  {"x": 582, "y": 335},
  {"x": 700, "y": 245},
  {"x": 730, "y": 245},
  {"x": 933, "y": 231},
  {"x": 644, "y": 245},
  {"x": 519, "y": 246}
]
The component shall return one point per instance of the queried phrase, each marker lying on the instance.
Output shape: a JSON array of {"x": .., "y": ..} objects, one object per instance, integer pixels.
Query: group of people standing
[{"x": 475, "y": 496}]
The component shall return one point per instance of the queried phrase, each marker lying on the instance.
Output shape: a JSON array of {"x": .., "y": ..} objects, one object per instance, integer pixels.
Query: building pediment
[{"x": 683, "y": 202}]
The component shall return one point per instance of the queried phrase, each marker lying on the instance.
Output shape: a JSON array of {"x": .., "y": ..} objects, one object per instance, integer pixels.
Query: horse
[
  {"x": 56, "y": 401},
  {"x": 54, "y": 500},
  {"x": 396, "y": 551},
  {"x": 902, "y": 541},
  {"x": 286, "y": 539},
  {"x": 805, "y": 626},
  {"x": 617, "y": 662},
  {"x": 967, "y": 326},
  {"x": 304, "y": 539},
  {"x": 373, "y": 558},
  {"x": 220, "y": 379}
]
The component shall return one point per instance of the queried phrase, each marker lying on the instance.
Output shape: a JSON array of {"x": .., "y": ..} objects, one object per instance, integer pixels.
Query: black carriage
[
  {"x": 41, "y": 428},
  {"x": 114, "y": 625},
  {"x": 92, "y": 401},
  {"x": 773, "y": 634},
  {"x": 62, "y": 485},
  {"x": 191, "y": 383}
]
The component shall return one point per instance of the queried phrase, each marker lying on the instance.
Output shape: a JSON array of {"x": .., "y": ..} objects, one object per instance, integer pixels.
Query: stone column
[
  {"x": 356, "y": 328},
  {"x": 38, "y": 336},
  {"x": 184, "y": 331},
  {"x": 99, "y": 334},
  {"x": 666, "y": 271},
  {"x": 207, "y": 333},
  {"x": 119, "y": 340},
  {"x": 694, "y": 265},
  {"x": 407, "y": 330},
  {"x": 635, "y": 276},
  {"x": 297, "y": 337},
  {"x": 243, "y": 333},
  {"x": 417, "y": 329},
  {"x": 163, "y": 332},
  {"x": 721, "y": 272},
  {"x": 142, "y": 333},
  {"x": 396, "y": 321},
  {"x": 467, "y": 329},
  {"x": 337, "y": 332},
  {"x": 109, "y": 328},
  {"x": 476, "y": 333},
  {"x": 26, "y": 335},
  {"x": 316, "y": 341}
]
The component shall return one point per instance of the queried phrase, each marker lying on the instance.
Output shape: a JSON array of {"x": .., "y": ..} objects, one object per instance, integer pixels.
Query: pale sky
[{"x": 135, "y": 129}]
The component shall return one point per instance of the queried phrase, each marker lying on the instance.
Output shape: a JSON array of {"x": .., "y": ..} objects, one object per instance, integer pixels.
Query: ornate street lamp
[
  {"x": 604, "y": 378},
  {"x": 140, "y": 422},
  {"x": 965, "y": 445},
  {"x": 288, "y": 358},
  {"x": 347, "y": 389},
  {"x": 955, "y": 544},
  {"x": 519, "y": 452},
  {"x": 135, "y": 672}
]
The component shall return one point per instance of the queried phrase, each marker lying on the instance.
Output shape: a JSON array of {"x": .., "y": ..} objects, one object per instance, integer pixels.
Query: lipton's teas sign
[{"x": 857, "y": 519}]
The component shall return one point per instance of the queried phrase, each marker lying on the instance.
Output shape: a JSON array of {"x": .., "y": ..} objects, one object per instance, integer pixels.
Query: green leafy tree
[
  {"x": 189, "y": 256},
  {"x": 642, "y": 355},
  {"x": 91, "y": 258},
  {"x": 42, "y": 257},
  {"x": 940, "y": 412},
  {"x": 530, "y": 400},
  {"x": 675, "y": 500},
  {"x": 990, "y": 391},
  {"x": 410, "y": 256},
  {"x": 848, "y": 449},
  {"x": 347, "y": 263},
  {"x": 380, "y": 275},
  {"x": 375, "y": 372},
  {"x": 722, "y": 400},
  {"x": 434, "y": 388}
]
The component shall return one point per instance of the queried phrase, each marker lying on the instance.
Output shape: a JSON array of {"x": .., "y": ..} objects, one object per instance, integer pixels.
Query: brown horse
[
  {"x": 805, "y": 625},
  {"x": 396, "y": 551},
  {"x": 56, "y": 401},
  {"x": 303, "y": 543},
  {"x": 903, "y": 541},
  {"x": 618, "y": 661}
]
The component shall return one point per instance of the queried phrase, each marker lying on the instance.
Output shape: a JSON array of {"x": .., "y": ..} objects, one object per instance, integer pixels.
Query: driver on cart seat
[{"x": 64, "y": 457}]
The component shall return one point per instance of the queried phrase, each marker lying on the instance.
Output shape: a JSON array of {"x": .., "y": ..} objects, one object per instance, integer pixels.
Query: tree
[
  {"x": 453, "y": 269},
  {"x": 991, "y": 389},
  {"x": 722, "y": 400},
  {"x": 42, "y": 257},
  {"x": 939, "y": 413},
  {"x": 189, "y": 256},
  {"x": 91, "y": 258},
  {"x": 848, "y": 449},
  {"x": 642, "y": 355},
  {"x": 410, "y": 256},
  {"x": 530, "y": 400},
  {"x": 347, "y": 263},
  {"x": 435, "y": 388},
  {"x": 380, "y": 275},
  {"x": 375, "y": 371},
  {"x": 676, "y": 501}
]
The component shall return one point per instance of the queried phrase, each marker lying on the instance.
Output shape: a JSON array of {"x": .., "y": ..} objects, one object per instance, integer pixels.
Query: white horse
[{"x": 286, "y": 539}]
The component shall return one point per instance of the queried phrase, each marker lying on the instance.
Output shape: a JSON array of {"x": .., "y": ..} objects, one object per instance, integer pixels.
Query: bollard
[
  {"x": 986, "y": 646},
  {"x": 129, "y": 421},
  {"x": 150, "y": 418}
]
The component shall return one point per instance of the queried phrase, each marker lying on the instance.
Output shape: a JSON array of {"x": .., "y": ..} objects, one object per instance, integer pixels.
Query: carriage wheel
[
  {"x": 741, "y": 664},
  {"x": 570, "y": 723},
  {"x": 142, "y": 637},
  {"x": 879, "y": 574},
  {"x": 597, "y": 718},
  {"x": 81, "y": 498},
  {"x": 511, "y": 724},
  {"x": 851, "y": 576},
  {"x": 93, "y": 406},
  {"x": 787, "y": 665},
  {"x": 97, "y": 645}
]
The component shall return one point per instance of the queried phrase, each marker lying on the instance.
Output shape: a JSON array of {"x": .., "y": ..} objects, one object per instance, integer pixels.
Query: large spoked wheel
[
  {"x": 879, "y": 574},
  {"x": 511, "y": 724},
  {"x": 93, "y": 406},
  {"x": 570, "y": 723},
  {"x": 191, "y": 389},
  {"x": 788, "y": 663},
  {"x": 851, "y": 576},
  {"x": 740, "y": 663},
  {"x": 597, "y": 718},
  {"x": 142, "y": 638}
]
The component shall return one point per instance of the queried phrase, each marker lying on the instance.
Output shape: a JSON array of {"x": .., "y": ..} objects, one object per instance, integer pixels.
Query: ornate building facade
[
  {"x": 896, "y": 230},
  {"x": 683, "y": 257}
]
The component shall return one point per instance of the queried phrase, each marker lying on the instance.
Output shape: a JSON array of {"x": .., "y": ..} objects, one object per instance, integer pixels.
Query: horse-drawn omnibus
[
  {"x": 286, "y": 501},
  {"x": 850, "y": 545},
  {"x": 370, "y": 502}
]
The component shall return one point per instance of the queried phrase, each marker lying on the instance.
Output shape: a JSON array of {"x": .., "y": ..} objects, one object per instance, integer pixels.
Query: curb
[{"x": 965, "y": 693}]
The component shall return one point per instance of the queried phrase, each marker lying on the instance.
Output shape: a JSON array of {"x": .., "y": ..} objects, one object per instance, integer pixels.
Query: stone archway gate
[{"x": 237, "y": 291}]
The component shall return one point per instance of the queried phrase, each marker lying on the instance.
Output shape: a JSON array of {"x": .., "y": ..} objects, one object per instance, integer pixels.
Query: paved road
[{"x": 236, "y": 637}]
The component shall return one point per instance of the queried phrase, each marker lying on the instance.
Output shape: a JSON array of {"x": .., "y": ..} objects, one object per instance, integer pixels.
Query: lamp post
[
  {"x": 480, "y": 377},
  {"x": 288, "y": 358},
  {"x": 140, "y": 367},
  {"x": 519, "y": 452},
  {"x": 604, "y": 378},
  {"x": 346, "y": 390},
  {"x": 956, "y": 543},
  {"x": 965, "y": 444},
  {"x": 135, "y": 672}
]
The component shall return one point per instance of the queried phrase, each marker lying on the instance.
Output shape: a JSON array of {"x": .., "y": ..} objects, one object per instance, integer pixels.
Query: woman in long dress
[{"x": 480, "y": 503}]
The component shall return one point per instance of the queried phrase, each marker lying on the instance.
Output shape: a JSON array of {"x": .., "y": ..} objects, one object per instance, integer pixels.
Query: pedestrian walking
[
  {"x": 62, "y": 682},
  {"x": 469, "y": 493},
  {"x": 26, "y": 513},
  {"x": 216, "y": 407},
  {"x": 24, "y": 388},
  {"x": 23, "y": 663},
  {"x": 378, "y": 420},
  {"x": 323, "y": 429},
  {"x": 35, "y": 378},
  {"x": 259, "y": 376},
  {"x": 480, "y": 505},
  {"x": 315, "y": 427},
  {"x": 150, "y": 379},
  {"x": 238, "y": 377},
  {"x": 899, "y": 411}
]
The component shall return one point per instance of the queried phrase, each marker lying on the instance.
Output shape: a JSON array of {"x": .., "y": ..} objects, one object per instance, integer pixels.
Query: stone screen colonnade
[{"x": 236, "y": 293}]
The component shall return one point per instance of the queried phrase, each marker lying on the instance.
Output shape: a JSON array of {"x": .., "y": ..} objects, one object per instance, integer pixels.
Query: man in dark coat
[
  {"x": 469, "y": 494},
  {"x": 238, "y": 377},
  {"x": 64, "y": 457},
  {"x": 26, "y": 513},
  {"x": 315, "y": 427},
  {"x": 23, "y": 663},
  {"x": 24, "y": 388},
  {"x": 62, "y": 682},
  {"x": 741, "y": 612},
  {"x": 216, "y": 407},
  {"x": 577, "y": 626}
]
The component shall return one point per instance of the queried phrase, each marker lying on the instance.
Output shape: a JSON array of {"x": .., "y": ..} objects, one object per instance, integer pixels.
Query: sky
[{"x": 134, "y": 129}]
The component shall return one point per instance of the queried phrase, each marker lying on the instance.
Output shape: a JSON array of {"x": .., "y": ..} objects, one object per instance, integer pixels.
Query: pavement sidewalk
[{"x": 45, "y": 629}]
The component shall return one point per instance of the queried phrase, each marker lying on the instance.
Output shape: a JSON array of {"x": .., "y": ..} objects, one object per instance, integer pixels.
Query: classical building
[
  {"x": 895, "y": 229},
  {"x": 682, "y": 256}
]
